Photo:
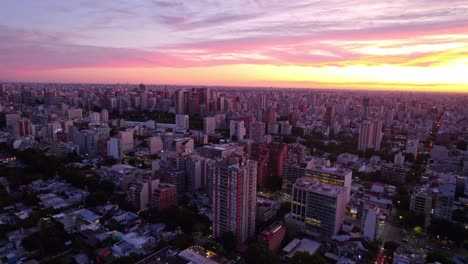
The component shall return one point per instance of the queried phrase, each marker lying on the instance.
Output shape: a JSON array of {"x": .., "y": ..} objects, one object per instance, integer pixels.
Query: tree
[
  {"x": 179, "y": 217},
  {"x": 411, "y": 219},
  {"x": 447, "y": 229},
  {"x": 390, "y": 247},
  {"x": 73, "y": 157},
  {"x": 303, "y": 257},
  {"x": 297, "y": 131},
  {"x": 30, "y": 199},
  {"x": 258, "y": 253},
  {"x": 196, "y": 122},
  {"x": 438, "y": 256},
  {"x": 462, "y": 145},
  {"x": 73, "y": 176},
  {"x": 182, "y": 241},
  {"x": 289, "y": 139},
  {"x": 96, "y": 198},
  {"x": 132, "y": 161},
  {"x": 460, "y": 215},
  {"x": 48, "y": 240},
  {"x": 228, "y": 240},
  {"x": 107, "y": 186},
  {"x": 133, "y": 258},
  {"x": 409, "y": 157},
  {"x": 109, "y": 161},
  {"x": 402, "y": 199},
  {"x": 92, "y": 183},
  {"x": 113, "y": 224}
]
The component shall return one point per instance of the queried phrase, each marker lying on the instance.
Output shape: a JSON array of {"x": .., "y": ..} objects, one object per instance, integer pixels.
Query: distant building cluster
[{"x": 247, "y": 162}]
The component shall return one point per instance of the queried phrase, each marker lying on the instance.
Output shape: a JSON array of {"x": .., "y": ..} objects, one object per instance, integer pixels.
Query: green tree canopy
[
  {"x": 259, "y": 253},
  {"x": 228, "y": 240}
]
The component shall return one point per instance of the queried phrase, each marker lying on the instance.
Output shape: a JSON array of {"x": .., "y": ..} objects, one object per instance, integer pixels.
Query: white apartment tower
[
  {"x": 209, "y": 125},
  {"x": 370, "y": 135},
  {"x": 182, "y": 122},
  {"x": 318, "y": 208},
  {"x": 237, "y": 129}
]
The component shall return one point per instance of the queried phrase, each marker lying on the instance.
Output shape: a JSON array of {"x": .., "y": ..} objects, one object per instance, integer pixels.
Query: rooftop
[
  {"x": 304, "y": 244},
  {"x": 195, "y": 257},
  {"x": 318, "y": 187}
]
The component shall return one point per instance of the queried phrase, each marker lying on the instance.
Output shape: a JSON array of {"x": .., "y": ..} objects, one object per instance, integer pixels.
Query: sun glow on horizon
[{"x": 451, "y": 78}]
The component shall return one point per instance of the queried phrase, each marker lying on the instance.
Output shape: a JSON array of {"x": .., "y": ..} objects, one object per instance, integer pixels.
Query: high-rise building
[
  {"x": 12, "y": 119},
  {"x": 269, "y": 116},
  {"x": 334, "y": 176},
  {"x": 366, "y": 105},
  {"x": 209, "y": 125},
  {"x": 394, "y": 173},
  {"x": 370, "y": 221},
  {"x": 261, "y": 154},
  {"x": 318, "y": 208},
  {"x": 329, "y": 115},
  {"x": 196, "y": 169},
  {"x": 139, "y": 193},
  {"x": 399, "y": 159},
  {"x": 237, "y": 129},
  {"x": 126, "y": 140},
  {"x": 182, "y": 122},
  {"x": 444, "y": 203},
  {"x": 164, "y": 196},
  {"x": 180, "y": 102},
  {"x": 258, "y": 130},
  {"x": 114, "y": 148},
  {"x": 389, "y": 115},
  {"x": 421, "y": 201},
  {"x": 273, "y": 236},
  {"x": 104, "y": 116},
  {"x": 75, "y": 113},
  {"x": 285, "y": 128},
  {"x": 412, "y": 147},
  {"x": 370, "y": 135},
  {"x": 94, "y": 118},
  {"x": 234, "y": 196},
  {"x": 261, "y": 101},
  {"x": 278, "y": 153},
  {"x": 156, "y": 144},
  {"x": 24, "y": 127},
  {"x": 221, "y": 150},
  {"x": 293, "y": 171},
  {"x": 87, "y": 140},
  {"x": 144, "y": 99}
]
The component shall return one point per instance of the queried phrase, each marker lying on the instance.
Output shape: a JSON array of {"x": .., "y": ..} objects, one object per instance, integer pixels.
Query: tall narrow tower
[{"x": 234, "y": 180}]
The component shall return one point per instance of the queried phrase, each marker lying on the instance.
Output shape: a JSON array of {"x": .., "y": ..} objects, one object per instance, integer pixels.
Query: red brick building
[
  {"x": 164, "y": 196},
  {"x": 273, "y": 236}
]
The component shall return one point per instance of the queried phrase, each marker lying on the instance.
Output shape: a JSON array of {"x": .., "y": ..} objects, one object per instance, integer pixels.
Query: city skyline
[{"x": 420, "y": 46}]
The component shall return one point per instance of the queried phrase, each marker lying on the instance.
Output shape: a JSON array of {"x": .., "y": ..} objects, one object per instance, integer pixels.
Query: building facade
[
  {"x": 234, "y": 197},
  {"x": 318, "y": 208}
]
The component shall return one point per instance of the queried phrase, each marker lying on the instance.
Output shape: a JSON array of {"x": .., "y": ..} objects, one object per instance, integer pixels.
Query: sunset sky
[{"x": 393, "y": 44}]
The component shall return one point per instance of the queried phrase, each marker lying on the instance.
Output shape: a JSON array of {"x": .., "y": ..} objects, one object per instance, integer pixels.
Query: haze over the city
[{"x": 394, "y": 45}]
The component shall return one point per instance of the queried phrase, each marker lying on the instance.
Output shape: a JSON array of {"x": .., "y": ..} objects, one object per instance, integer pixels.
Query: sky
[{"x": 418, "y": 45}]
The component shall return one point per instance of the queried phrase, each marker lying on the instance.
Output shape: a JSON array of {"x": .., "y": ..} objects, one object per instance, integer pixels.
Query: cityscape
[{"x": 234, "y": 132}]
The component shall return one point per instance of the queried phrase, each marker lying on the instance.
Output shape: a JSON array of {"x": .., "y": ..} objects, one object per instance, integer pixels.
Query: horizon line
[{"x": 349, "y": 89}]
